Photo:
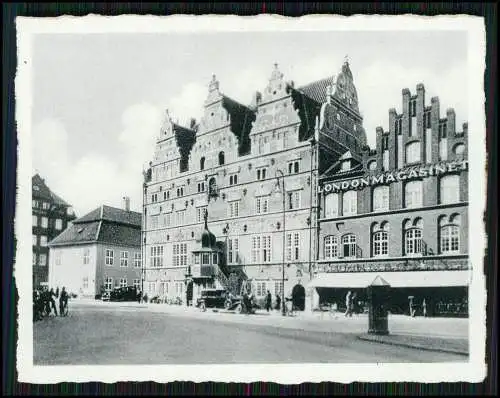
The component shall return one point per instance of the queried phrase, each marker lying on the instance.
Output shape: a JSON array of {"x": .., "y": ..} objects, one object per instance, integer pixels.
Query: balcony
[{"x": 203, "y": 271}]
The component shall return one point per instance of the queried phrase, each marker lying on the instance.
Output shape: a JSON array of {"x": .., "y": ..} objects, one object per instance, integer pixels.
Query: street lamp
[{"x": 280, "y": 190}]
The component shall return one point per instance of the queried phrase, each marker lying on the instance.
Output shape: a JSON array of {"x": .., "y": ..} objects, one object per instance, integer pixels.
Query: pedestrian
[
  {"x": 52, "y": 294},
  {"x": 268, "y": 301},
  {"x": 354, "y": 303},
  {"x": 348, "y": 304},
  {"x": 278, "y": 302},
  {"x": 412, "y": 307},
  {"x": 424, "y": 308},
  {"x": 63, "y": 302}
]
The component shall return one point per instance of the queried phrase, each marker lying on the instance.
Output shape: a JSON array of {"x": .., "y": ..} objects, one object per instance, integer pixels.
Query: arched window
[
  {"x": 449, "y": 189},
  {"x": 332, "y": 205},
  {"x": 380, "y": 239},
  {"x": 381, "y": 198},
  {"x": 413, "y": 238},
  {"x": 413, "y": 194},
  {"x": 349, "y": 246},
  {"x": 331, "y": 247},
  {"x": 349, "y": 203},
  {"x": 449, "y": 232},
  {"x": 221, "y": 158},
  {"x": 202, "y": 163},
  {"x": 413, "y": 152}
]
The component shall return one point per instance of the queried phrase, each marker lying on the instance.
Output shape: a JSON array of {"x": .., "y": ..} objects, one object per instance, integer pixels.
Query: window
[
  {"x": 137, "y": 283},
  {"x": 349, "y": 203},
  {"x": 153, "y": 222},
  {"x": 450, "y": 239},
  {"x": 180, "y": 254},
  {"x": 123, "y": 282},
  {"x": 151, "y": 288},
  {"x": 331, "y": 247},
  {"x": 233, "y": 179},
  {"x": 442, "y": 130},
  {"x": 413, "y": 152},
  {"x": 345, "y": 165},
  {"x": 332, "y": 205},
  {"x": 109, "y": 257},
  {"x": 292, "y": 246},
  {"x": 349, "y": 246},
  {"x": 202, "y": 163},
  {"x": 156, "y": 256},
  {"x": 449, "y": 189},
  {"x": 34, "y": 203},
  {"x": 34, "y": 258},
  {"x": 201, "y": 187},
  {"x": 427, "y": 120},
  {"x": 221, "y": 158},
  {"x": 260, "y": 288},
  {"x": 181, "y": 215},
  {"x": 45, "y": 222},
  {"x": 137, "y": 260},
  {"x": 200, "y": 213},
  {"x": 154, "y": 198},
  {"x": 124, "y": 259},
  {"x": 232, "y": 250},
  {"x": 85, "y": 283},
  {"x": 35, "y": 221},
  {"x": 261, "y": 173},
  {"x": 35, "y": 241},
  {"x": 413, "y": 194},
  {"x": 278, "y": 288},
  {"x": 381, "y": 198},
  {"x": 86, "y": 256},
  {"x": 45, "y": 205},
  {"x": 413, "y": 241},
  {"x": 261, "y": 249},
  {"x": 58, "y": 224},
  {"x": 234, "y": 209},
  {"x": 398, "y": 126},
  {"x": 108, "y": 284},
  {"x": 380, "y": 240},
  {"x": 294, "y": 167},
  {"x": 261, "y": 204},
  {"x": 42, "y": 260},
  {"x": 293, "y": 200},
  {"x": 413, "y": 108},
  {"x": 180, "y": 192}
]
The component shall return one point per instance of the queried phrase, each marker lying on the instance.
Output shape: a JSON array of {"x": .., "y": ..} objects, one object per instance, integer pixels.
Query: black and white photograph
[{"x": 224, "y": 198}]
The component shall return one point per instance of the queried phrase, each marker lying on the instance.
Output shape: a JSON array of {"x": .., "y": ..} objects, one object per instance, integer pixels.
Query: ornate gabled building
[
  {"x": 229, "y": 164},
  {"x": 399, "y": 212},
  {"x": 51, "y": 215}
]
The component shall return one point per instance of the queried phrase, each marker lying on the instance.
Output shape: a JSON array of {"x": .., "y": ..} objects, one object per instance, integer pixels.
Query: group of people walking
[{"x": 44, "y": 302}]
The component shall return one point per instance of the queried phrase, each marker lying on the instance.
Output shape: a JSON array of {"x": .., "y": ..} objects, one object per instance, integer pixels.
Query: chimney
[{"x": 126, "y": 203}]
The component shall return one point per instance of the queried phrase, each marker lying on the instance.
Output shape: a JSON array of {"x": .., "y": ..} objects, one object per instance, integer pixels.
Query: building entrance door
[{"x": 299, "y": 297}]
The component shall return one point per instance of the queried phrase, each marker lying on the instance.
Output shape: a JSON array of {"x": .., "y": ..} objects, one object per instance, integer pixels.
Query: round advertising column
[{"x": 379, "y": 295}]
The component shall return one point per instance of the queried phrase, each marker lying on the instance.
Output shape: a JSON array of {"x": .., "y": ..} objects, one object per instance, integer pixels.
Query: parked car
[
  {"x": 127, "y": 293},
  {"x": 212, "y": 298},
  {"x": 105, "y": 296},
  {"x": 240, "y": 304}
]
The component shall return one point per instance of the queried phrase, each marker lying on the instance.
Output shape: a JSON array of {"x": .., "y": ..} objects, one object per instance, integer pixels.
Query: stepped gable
[{"x": 241, "y": 119}]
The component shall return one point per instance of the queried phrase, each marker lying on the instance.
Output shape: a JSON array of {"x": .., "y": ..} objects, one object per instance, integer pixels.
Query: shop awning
[{"x": 408, "y": 279}]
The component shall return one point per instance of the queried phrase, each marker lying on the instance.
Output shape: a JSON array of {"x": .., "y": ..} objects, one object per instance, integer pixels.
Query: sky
[{"x": 98, "y": 99}]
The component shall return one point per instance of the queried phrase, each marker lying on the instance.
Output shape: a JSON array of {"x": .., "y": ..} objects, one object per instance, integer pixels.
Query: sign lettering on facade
[{"x": 400, "y": 175}]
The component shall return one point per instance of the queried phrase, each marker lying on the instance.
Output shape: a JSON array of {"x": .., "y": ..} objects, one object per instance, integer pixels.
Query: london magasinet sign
[{"x": 399, "y": 175}]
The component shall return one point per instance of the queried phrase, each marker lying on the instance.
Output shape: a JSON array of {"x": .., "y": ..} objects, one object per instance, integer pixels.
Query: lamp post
[{"x": 280, "y": 188}]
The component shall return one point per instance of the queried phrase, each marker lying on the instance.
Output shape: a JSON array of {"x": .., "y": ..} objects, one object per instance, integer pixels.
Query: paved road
[{"x": 113, "y": 335}]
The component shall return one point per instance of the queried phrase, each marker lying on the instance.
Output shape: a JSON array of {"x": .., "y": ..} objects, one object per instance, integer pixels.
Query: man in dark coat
[
  {"x": 268, "y": 301},
  {"x": 63, "y": 302},
  {"x": 278, "y": 302}
]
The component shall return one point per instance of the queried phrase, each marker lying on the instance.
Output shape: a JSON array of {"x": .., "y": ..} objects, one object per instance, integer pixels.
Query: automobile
[
  {"x": 127, "y": 293},
  {"x": 212, "y": 298},
  {"x": 105, "y": 296},
  {"x": 237, "y": 304}
]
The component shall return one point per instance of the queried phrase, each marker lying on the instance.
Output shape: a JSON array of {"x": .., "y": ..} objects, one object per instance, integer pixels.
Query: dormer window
[{"x": 345, "y": 165}]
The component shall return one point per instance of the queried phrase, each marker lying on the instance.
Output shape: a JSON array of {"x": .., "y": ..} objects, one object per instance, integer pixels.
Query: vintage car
[
  {"x": 127, "y": 293},
  {"x": 240, "y": 305},
  {"x": 212, "y": 298}
]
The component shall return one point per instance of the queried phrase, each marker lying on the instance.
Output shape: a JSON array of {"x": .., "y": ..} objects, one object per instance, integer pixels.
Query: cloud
[{"x": 188, "y": 103}]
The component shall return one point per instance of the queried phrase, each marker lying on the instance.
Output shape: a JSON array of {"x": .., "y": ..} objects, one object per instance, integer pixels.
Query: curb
[{"x": 413, "y": 345}]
